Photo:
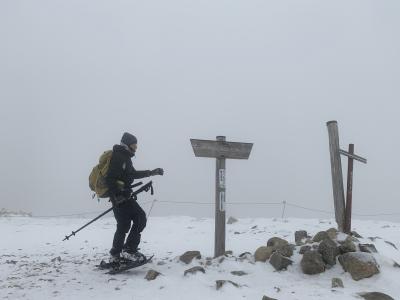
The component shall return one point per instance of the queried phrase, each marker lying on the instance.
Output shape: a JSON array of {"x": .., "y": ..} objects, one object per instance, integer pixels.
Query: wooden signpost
[
  {"x": 221, "y": 150},
  {"x": 342, "y": 209}
]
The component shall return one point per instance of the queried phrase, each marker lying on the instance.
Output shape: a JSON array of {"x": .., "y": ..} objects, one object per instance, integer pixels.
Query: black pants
[{"x": 127, "y": 214}]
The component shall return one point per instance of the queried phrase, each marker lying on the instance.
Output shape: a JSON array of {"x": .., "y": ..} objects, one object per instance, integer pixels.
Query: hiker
[{"x": 126, "y": 211}]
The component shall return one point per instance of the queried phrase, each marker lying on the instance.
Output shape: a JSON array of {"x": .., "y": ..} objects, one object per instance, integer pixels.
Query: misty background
[{"x": 74, "y": 75}]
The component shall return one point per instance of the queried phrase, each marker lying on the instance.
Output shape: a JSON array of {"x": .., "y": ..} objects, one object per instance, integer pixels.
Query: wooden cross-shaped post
[
  {"x": 221, "y": 150},
  {"x": 342, "y": 212}
]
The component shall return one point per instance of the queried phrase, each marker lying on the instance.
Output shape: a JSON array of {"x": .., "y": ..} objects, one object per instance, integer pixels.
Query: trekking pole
[
  {"x": 148, "y": 186},
  {"x": 95, "y": 219}
]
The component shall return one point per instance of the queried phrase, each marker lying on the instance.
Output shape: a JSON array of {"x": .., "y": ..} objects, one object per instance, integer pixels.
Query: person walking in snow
[{"x": 126, "y": 211}]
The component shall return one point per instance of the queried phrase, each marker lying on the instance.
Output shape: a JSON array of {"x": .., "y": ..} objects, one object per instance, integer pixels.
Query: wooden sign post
[
  {"x": 342, "y": 210},
  {"x": 221, "y": 150}
]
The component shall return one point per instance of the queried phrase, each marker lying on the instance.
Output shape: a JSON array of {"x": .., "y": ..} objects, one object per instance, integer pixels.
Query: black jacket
[{"x": 121, "y": 169}]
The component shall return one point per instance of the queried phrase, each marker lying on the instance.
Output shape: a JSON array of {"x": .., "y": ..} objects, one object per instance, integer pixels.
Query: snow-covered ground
[{"x": 29, "y": 268}]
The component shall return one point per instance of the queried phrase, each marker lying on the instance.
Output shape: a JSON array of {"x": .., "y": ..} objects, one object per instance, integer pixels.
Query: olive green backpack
[{"x": 97, "y": 177}]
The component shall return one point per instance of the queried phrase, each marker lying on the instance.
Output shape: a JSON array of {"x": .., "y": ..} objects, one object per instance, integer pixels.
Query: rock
[
  {"x": 11, "y": 262},
  {"x": 245, "y": 256},
  {"x": 359, "y": 264},
  {"x": 312, "y": 263},
  {"x": 56, "y": 259},
  {"x": 194, "y": 270},
  {"x": 329, "y": 250},
  {"x": 375, "y": 296},
  {"x": 152, "y": 274},
  {"x": 304, "y": 249},
  {"x": 309, "y": 240},
  {"x": 320, "y": 236},
  {"x": 332, "y": 233},
  {"x": 228, "y": 253},
  {"x": 209, "y": 261},
  {"x": 299, "y": 236},
  {"x": 348, "y": 246},
  {"x": 355, "y": 234},
  {"x": 369, "y": 248},
  {"x": 188, "y": 256},
  {"x": 221, "y": 283},
  {"x": 396, "y": 265},
  {"x": 263, "y": 253},
  {"x": 268, "y": 298},
  {"x": 391, "y": 244},
  {"x": 276, "y": 243},
  {"x": 286, "y": 250},
  {"x": 238, "y": 273},
  {"x": 337, "y": 283},
  {"x": 279, "y": 262},
  {"x": 232, "y": 220}
]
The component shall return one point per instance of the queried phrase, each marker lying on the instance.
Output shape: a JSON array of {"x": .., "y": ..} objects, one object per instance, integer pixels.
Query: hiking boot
[
  {"x": 114, "y": 259},
  {"x": 133, "y": 256}
]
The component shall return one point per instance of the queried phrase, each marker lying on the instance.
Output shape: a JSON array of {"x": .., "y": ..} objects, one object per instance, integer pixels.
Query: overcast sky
[{"x": 74, "y": 75}]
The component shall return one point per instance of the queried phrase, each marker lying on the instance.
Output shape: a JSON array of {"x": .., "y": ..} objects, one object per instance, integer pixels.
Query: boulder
[
  {"x": 286, "y": 250},
  {"x": 245, "y": 256},
  {"x": 391, "y": 244},
  {"x": 188, "y": 256},
  {"x": 56, "y": 259},
  {"x": 359, "y": 264},
  {"x": 375, "y": 296},
  {"x": 329, "y": 250},
  {"x": 299, "y": 236},
  {"x": 232, "y": 220},
  {"x": 337, "y": 283},
  {"x": 312, "y": 263},
  {"x": 228, "y": 253},
  {"x": 348, "y": 245},
  {"x": 263, "y": 253},
  {"x": 220, "y": 283},
  {"x": 304, "y": 249},
  {"x": 320, "y": 236},
  {"x": 355, "y": 234},
  {"x": 152, "y": 274},
  {"x": 279, "y": 262},
  {"x": 268, "y": 298},
  {"x": 238, "y": 273},
  {"x": 369, "y": 248},
  {"x": 276, "y": 243},
  {"x": 194, "y": 270},
  {"x": 332, "y": 233}
]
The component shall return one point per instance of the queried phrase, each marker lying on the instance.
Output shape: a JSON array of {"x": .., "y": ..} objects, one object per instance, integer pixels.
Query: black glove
[
  {"x": 158, "y": 171},
  {"x": 117, "y": 200}
]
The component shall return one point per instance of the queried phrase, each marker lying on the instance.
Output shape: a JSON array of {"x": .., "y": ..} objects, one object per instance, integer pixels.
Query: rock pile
[{"x": 322, "y": 252}]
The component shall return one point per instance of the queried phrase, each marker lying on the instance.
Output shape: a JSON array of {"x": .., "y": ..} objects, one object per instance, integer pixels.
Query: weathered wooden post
[
  {"x": 342, "y": 210},
  {"x": 221, "y": 150},
  {"x": 349, "y": 195},
  {"x": 337, "y": 175}
]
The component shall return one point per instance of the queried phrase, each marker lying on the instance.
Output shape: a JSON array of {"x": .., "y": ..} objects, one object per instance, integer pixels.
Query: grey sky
[{"x": 74, "y": 75}]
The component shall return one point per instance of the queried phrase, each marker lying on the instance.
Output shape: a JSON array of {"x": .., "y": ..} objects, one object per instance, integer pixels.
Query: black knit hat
[{"x": 128, "y": 139}]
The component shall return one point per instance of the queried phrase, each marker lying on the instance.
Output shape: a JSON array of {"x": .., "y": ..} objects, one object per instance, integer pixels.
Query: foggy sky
[{"x": 74, "y": 75}]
